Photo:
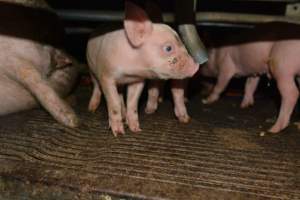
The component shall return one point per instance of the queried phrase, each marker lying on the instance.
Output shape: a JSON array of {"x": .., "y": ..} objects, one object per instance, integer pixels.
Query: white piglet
[{"x": 142, "y": 50}]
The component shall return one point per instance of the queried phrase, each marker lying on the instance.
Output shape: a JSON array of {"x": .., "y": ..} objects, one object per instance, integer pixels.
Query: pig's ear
[
  {"x": 61, "y": 59},
  {"x": 137, "y": 24}
]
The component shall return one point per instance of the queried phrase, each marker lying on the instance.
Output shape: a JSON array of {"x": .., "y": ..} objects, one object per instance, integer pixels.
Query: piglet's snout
[
  {"x": 186, "y": 66},
  {"x": 191, "y": 67},
  {"x": 195, "y": 68}
]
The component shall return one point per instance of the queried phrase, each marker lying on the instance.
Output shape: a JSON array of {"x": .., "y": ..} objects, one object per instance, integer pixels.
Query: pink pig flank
[
  {"x": 237, "y": 60},
  {"x": 33, "y": 73},
  {"x": 277, "y": 55},
  {"x": 142, "y": 50}
]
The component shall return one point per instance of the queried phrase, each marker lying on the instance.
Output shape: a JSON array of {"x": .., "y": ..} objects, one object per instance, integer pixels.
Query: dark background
[{"x": 76, "y": 41}]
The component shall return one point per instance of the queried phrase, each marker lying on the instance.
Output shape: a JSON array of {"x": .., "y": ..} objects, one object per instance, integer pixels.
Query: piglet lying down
[
  {"x": 142, "y": 50},
  {"x": 32, "y": 73}
]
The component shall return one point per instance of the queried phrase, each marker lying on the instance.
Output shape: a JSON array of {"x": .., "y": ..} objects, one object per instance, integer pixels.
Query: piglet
[
  {"x": 33, "y": 73},
  {"x": 272, "y": 50},
  {"x": 248, "y": 59},
  {"x": 142, "y": 50},
  {"x": 34, "y": 70}
]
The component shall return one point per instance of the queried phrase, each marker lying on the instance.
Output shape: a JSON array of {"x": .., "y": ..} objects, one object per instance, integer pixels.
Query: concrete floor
[{"x": 219, "y": 155}]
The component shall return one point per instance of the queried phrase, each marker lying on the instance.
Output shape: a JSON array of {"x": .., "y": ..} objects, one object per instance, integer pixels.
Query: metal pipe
[
  {"x": 169, "y": 17},
  {"x": 193, "y": 42},
  {"x": 242, "y": 18},
  {"x": 231, "y": 25},
  {"x": 85, "y": 30},
  {"x": 78, "y": 30},
  {"x": 285, "y": 1},
  {"x": 89, "y": 15}
]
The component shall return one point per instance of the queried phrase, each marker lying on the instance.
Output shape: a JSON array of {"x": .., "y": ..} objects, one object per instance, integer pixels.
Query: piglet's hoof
[
  {"x": 133, "y": 123},
  {"x": 244, "y": 106},
  {"x": 92, "y": 107},
  {"x": 247, "y": 103},
  {"x": 117, "y": 128},
  {"x": 135, "y": 128},
  {"x": 275, "y": 129},
  {"x": 206, "y": 101},
  {"x": 210, "y": 100},
  {"x": 182, "y": 115},
  {"x": 70, "y": 120},
  {"x": 150, "y": 109},
  {"x": 184, "y": 119}
]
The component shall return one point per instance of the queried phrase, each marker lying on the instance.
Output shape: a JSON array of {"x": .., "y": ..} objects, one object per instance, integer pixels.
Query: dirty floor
[{"x": 221, "y": 154}]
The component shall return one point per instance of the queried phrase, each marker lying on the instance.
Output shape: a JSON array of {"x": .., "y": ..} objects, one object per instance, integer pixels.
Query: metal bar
[
  {"x": 231, "y": 25},
  {"x": 78, "y": 30},
  {"x": 284, "y": 1},
  {"x": 169, "y": 17},
  {"x": 84, "y": 30},
  {"x": 242, "y": 18},
  {"x": 91, "y": 15}
]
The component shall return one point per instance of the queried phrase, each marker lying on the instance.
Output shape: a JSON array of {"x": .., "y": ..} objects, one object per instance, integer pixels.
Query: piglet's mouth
[{"x": 193, "y": 69}]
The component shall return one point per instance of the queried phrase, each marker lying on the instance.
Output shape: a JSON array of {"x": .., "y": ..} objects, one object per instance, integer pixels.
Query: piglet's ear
[
  {"x": 137, "y": 24},
  {"x": 61, "y": 59}
]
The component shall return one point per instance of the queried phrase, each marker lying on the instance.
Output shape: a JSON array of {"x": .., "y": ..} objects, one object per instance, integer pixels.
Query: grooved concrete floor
[{"x": 219, "y": 155}]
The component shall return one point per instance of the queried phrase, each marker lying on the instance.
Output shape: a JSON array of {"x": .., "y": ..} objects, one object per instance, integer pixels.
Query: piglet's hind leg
[
  {"x": 96, "y": 96},
  {"x": 178, "y": 89},
  {"x": 227, "y": 71},
  {"x": 250, "y": 87},
  {"x": 28, "y": 76},
  {"x": 133, "y": 95},
  {"x": 153, "y": 96},
  {"x": 289, "y": 95}
]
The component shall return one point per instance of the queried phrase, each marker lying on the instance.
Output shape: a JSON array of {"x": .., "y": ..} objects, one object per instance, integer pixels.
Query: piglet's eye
[{"x": 168, "y": 48}]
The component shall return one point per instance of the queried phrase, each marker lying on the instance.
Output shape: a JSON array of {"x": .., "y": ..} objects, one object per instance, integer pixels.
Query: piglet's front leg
[
  {"x": 96, "y": 96},
  {"x": 114, "y": 105},
  {"x": 178, "y": 87},
  {"x": 224, "y": 77},
  {"x": 133, "y": 94},
  {"x": 155, "y": 88},
  {"x": 28, "y": 76},
  {"x": 250, "y": 87}
]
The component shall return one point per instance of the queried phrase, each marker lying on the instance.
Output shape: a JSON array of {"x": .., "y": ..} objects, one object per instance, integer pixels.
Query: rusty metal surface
[{"x": 219, "y": 155}]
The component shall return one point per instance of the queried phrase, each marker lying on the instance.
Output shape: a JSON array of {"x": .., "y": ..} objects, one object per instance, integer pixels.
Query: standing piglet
[
  {"x": 274, "y": 52},
  {"x": 142, "y": 50},
  {"x": 237, "y": 60},
  {"x": 185, "y": 19}
]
